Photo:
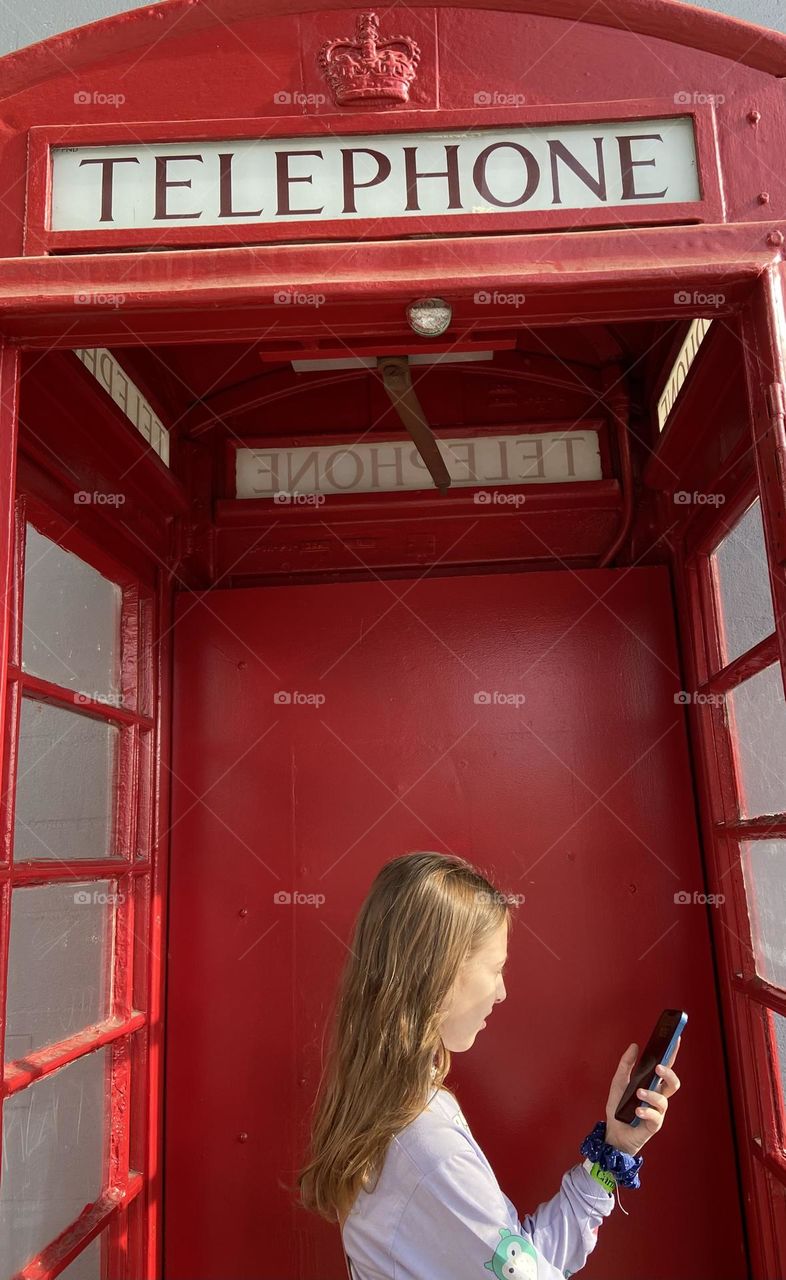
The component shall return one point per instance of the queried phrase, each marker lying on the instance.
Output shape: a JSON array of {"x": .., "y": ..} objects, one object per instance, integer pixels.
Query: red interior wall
[{"x": 581, "y": 799}]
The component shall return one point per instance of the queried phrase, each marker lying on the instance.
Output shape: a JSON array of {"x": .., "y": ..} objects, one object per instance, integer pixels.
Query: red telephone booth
[{"x": 393, "y": 457}]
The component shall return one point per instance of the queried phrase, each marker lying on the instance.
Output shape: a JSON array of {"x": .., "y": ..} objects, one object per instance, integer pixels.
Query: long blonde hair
[{"x": 424, "y": 915}]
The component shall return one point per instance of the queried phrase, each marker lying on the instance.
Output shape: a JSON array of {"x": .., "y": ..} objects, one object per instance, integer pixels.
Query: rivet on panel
[
  {"x": 754, "y": 116},
  {"x": 242, "y": 1137},
  {"x": 764, "y": 197},
  {"x": 775, "y": 239},
  {"x": 243, "y": 911}
]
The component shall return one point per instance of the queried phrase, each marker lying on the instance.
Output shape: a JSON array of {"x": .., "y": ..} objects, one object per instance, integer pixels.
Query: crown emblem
[{"x": 368, "y": 67}]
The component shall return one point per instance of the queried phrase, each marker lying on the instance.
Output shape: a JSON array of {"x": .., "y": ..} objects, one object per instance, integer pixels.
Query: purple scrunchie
[{"x": 625, "y": 1168}]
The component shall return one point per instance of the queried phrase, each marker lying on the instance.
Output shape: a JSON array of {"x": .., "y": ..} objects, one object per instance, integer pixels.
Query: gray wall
[{"x": 25, "y": 21}]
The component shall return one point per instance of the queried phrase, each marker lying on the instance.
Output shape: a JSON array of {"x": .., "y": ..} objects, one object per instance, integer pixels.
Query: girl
[{"x": 393, "y": 1159}]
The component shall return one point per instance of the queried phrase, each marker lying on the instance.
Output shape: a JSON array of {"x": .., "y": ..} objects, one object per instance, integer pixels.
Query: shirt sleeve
[
  {"x": 565, "y": 1228},
  {"x": 458, "y": 1225}
]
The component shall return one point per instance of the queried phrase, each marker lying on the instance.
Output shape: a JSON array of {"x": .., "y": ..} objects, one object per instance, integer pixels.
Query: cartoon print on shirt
[{"x": 514, "y": 1258}]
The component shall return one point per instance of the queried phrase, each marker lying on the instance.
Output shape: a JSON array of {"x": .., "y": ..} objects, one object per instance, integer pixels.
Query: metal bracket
[{"x": 397, "y": 380}]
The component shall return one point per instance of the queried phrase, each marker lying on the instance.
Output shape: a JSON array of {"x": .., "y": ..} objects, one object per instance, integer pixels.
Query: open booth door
[
  {"x": 730, "y": 578},
  {"x": 749, "y": 792}
]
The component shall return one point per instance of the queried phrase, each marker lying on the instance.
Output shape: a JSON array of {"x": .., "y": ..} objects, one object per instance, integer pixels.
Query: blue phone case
[{"x": 667, "y": 1054}]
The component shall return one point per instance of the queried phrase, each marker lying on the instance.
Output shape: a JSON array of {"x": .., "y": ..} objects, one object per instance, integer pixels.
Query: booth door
[{"x": 529, "y": 722}]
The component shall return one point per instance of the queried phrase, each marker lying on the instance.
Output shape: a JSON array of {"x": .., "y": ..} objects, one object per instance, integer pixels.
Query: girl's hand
[{"x": 651, "y": 1106}]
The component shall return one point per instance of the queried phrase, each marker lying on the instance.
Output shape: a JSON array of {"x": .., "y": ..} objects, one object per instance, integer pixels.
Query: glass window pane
[
  {"x": 744, "y": 585},
  {"x": 59, "y": 973},
  {"x": 64, "y": 786},
  {"x": 87, "y": 1264},
  {"x": 758, "y": 719},
  {"x": 779, "y": 1027},
  {"x": 54, "y": 1139},
  {"x": 70, "y": 620},
  {"x": 764, "y": 871}
]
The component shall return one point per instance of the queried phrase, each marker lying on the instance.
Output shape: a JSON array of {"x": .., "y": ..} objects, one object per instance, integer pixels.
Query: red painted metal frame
[
  {"x": 41, "y": 239},
  {"x": 223, "y": 295},
  {"x": 746, "y": 998},
  {"x": 129, "y": 1033},
  {"x": 667, "y": 20}
]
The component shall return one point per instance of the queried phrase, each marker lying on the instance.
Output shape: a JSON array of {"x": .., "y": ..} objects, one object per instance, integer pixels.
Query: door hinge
[{"x": 776, "y": 402}]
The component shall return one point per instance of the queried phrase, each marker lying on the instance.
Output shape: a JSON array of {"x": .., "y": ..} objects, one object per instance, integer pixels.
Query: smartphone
[{"x": 659, "y": 1048}]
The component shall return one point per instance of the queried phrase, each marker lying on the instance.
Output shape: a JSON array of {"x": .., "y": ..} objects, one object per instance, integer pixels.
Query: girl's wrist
[
  {"x": 616, "y": 1139},
  {"x": 599, "y": 1147}
]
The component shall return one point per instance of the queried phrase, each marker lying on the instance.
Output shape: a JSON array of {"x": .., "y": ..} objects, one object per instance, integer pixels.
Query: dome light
[{"x": 429, "y": 317}]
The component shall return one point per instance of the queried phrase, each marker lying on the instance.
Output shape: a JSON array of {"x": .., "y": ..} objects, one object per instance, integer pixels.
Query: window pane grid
[
  {"x": 54, "y": 1157},
  {"x": 59, "y": 964},
  {"x": 740, "y": 575},
  {"x": 756, "y": 716},
  {"x": 108, "y": 695},
  {"x": 744, "y": 732},
  {"x": 66, "y": 783}
]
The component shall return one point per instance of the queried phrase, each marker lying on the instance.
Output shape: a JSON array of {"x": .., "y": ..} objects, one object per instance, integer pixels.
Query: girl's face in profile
[{"x": 478, "y": 986}]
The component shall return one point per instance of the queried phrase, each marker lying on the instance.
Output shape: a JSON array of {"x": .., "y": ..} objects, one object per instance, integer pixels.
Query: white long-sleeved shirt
[{"x": 437, "y": 1212}]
